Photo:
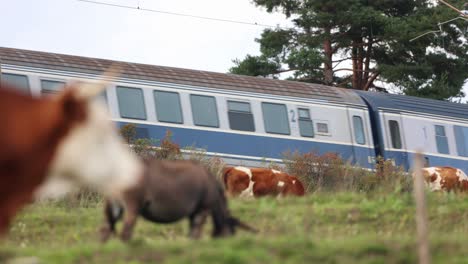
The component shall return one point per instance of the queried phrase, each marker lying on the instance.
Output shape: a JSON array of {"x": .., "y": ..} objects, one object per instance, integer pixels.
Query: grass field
[{"x": 319, "y": 228}]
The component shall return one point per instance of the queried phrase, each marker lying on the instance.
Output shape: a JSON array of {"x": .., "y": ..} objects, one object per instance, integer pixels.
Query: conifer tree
[{"x": 355, "y": 43}]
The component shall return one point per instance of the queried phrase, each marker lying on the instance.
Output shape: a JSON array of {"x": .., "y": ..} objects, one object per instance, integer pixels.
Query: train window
[
  {"x": 441, "y": 140},
  {"x": 51, "y": 87},
  {"x": 168, "y": 107},
  {"x": 395, "y": 134},
  {"x": 131, "y": 102},
  {"x": 18, "y": 81},
  {"x": 461, "y": 136},
  {"x": 322, "y": 128},
  {"x": 240, "y": 116},
  {"x": 358, "y": 130},
  {"x": 306, "y": 128},
  {"x": 204, "y": 110},
  {"x": 275, "y": 118}
]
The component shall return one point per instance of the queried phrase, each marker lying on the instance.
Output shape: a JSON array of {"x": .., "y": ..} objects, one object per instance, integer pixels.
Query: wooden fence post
[{"x": 421, "y": 211}]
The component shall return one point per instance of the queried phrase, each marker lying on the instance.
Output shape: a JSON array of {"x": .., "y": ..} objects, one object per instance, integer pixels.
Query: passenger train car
[{"x": 249, "y": 120}]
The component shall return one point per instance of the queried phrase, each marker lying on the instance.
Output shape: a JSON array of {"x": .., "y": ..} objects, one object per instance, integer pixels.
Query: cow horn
[{"x": 89, "y": 90}]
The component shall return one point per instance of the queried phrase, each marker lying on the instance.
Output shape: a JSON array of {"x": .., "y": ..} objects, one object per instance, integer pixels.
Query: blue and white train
[{"x": 249, "y": 120}]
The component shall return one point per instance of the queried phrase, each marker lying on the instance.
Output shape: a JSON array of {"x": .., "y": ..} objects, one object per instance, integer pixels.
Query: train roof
[
  {"x": 179, "y": 76},
  {"x": 405, "y": 103}
]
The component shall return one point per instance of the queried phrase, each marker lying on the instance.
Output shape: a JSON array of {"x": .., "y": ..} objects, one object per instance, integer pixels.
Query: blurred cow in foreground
[
  {"x": 168, "y": 192},
  {"x": 247, "y": 182},
  {"x": 67, "y": 138},
  {"x": 445, "y": 179}
]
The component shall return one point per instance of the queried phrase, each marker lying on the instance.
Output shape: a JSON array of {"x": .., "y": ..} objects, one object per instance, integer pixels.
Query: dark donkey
[{"x": 168, "y": 192}]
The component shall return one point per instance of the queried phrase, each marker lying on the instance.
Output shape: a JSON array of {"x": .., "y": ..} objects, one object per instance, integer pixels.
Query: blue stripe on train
[
  {"x": 406, "y": 159},
  {"x": 253, "y": 145}
]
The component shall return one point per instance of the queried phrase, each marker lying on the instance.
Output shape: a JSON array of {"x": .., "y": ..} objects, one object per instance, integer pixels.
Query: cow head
[{"x": 91, "y": 153}]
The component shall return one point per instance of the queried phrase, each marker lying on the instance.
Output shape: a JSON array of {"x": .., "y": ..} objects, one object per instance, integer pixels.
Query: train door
[
  {"x": 395, "y": 147},
  {"x": 360, "y": 138}
]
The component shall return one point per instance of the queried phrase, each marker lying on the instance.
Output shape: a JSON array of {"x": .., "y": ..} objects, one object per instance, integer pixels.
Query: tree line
[{"x": 362, "y": 44}]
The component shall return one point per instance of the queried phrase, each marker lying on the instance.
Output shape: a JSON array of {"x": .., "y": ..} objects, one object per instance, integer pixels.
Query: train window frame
[
  {"x": 158, "y": 113},
  {"x": 461, "y": 139},
  {"x": 120, "y": 101},
  {"x": 305, "y": 120},
  {"x": 24, "y": 89},
  {"x": 441, "y": 140},
  {"x": 393, "y": 134},
  {"x": 46, "y": 91},
  {"x": 239, "y": 113},
  {"x": 318, "y": 123},
  {"x": 267, "y": 121},
  {"x": 360, "y": 123},
  {"x": 196, "y": 118}
]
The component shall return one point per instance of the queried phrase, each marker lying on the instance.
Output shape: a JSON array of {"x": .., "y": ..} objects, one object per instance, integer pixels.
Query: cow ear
[
  {"x": 90, "y": 90},
  {"x": 227, "y": 170}
]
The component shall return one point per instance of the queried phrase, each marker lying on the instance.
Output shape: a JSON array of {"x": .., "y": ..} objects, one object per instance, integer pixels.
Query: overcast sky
[{"x": 86, "y": 29}]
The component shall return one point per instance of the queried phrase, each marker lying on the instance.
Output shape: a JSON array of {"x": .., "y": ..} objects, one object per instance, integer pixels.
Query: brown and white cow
[
  {"x": 245, "y": 182},
  {"x": 445, "y": 179},
  {"x": 67, "y": 138}
]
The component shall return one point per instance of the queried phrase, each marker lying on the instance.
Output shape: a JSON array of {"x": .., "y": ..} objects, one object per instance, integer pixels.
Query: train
[{"x": 252, "y": 121}]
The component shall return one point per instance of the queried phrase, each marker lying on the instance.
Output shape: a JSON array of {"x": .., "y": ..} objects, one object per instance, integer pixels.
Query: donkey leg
[
  {"x": 197, "y": 221},
  {"x": 112, "y": 213},
  {"x": 129, "y": 220}
]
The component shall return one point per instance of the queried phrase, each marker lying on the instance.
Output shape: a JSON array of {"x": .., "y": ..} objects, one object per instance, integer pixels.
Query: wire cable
[{"x": 180, "y": 14}]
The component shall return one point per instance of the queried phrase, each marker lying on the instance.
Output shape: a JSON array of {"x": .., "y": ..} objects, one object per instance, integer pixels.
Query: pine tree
[{"x": 354, "y": 43}]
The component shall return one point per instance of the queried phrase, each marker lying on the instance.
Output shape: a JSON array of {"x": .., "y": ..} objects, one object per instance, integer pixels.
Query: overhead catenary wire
[
  {"x": 139, "y": 8},
  {"x": 440, "y": 28},
  {"x": 463, "y": 15},
  {"x": 461, "y": 12}
]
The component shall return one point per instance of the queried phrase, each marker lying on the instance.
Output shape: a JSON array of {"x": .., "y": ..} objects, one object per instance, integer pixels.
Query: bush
[
  {"x": 316, "y": 171},
  {"x": 78, "y": 198},
  {"x": 148, "y": 148},
  {"x": 128, "y": 133},
  {"x": 168, "y": 150},
  {"x": 214, "y": 164},
  {"x": 328, "y": 172}
]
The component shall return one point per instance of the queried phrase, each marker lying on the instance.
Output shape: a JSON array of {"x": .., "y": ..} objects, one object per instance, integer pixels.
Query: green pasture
[{"x": 343, "y": 227}]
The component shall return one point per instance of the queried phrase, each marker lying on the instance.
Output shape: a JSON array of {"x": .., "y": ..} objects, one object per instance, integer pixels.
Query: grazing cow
[
  {"x": 242, "y": 181},
  {"x": 445, "y": 179},
  {"x": 168, "y": 192},
  {"x": 68, "y": 138}
]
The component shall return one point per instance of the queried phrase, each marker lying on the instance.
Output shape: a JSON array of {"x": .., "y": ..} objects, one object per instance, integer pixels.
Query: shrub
[
  {"x": 144, "y": 147},
  {"x": 168, "y": 149},
  {"x": 128, "y": 133},
  {"x": 213, "y": 164},
  {"x": 148, "y": 148},
  {"x": 328, "y": 172},
  {"x": 316, "y": 171},
  {"x": 78, "y": 198}
]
